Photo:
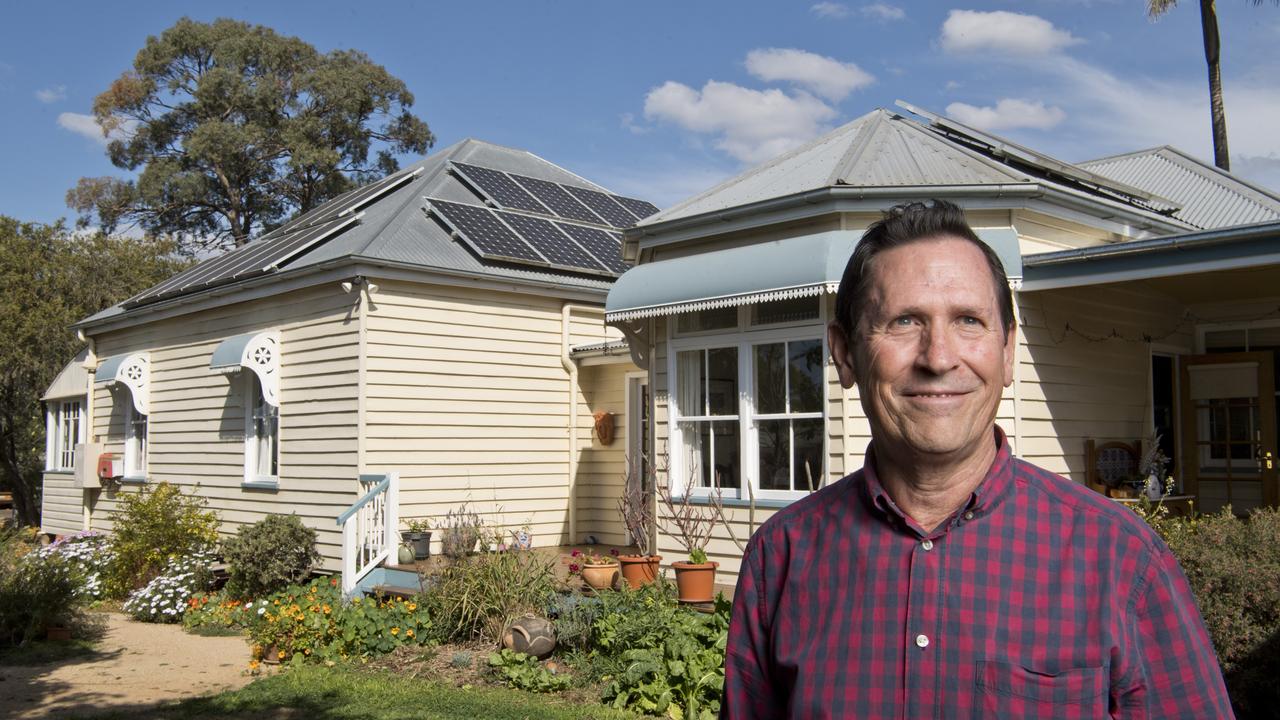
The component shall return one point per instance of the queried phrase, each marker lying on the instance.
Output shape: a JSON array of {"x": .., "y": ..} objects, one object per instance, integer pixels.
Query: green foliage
[
  {"x": 50, "y": 279},
  {"x": 217, "y": 611},
  {"x": 478, "y": 596},
  {"x": 234, "y": 127},
  {"x": 573, "y": 615},
  {"x": 153, "y": 526},
  {"x": 524, "y": 672},
  {"x": 1233, "y": 566},
  {"x": 269, "y": 555},
  {"x": 683, "y": 675},
  {"x": 698, "y": 556},
  {"x": 37, "y": 590},
  {"x": 312, "y": 623}
]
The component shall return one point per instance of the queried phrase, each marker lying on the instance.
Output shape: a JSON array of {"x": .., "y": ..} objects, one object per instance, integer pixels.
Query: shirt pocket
[{"x": 1010, "y": 691}]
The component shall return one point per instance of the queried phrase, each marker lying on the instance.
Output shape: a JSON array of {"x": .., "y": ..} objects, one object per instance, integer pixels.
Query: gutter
[{"x": 1207, "y": 238}]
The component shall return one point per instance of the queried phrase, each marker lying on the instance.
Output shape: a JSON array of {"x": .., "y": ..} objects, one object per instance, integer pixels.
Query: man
[{"x": 947, "y": 579}]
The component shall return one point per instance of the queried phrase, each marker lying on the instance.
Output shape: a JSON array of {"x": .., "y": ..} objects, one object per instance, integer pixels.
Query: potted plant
[
  {"x": 637, "y": 516},
  {"x": 418, "y": 535},
  {"x": 691, "y": 523},
  {"x": 459, "y": 532},
  {"x": 599, "y": 571}
]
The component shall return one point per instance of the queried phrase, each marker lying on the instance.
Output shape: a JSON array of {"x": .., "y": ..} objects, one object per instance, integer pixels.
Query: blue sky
[{"x": 663, "y": 99}]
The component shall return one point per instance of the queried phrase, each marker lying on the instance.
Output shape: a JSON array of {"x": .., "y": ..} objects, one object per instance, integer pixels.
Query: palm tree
[{"x": 1209, "y": 28}]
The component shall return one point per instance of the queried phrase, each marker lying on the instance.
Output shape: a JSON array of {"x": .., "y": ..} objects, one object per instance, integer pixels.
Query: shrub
[
  {"x": 312, "y": 623},
  {"x": 524, "y": 672},
  {"x": 216, "y": 610},
  {"x": 478, "y": 596},
  {"x": 269, "y": 555},
  {"x": 89, "y": 554},
  {"x": 1233, "y": 567},
  {"x": 573, "y": 615},
  {"x": 152, "y": 527},
  {"x": 166, "y": 598},
  {"x": 36, "y": 591}
]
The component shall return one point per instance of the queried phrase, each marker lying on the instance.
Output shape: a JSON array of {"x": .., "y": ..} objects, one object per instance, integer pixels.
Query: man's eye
[
  {"x": 903, "y": 321},
  {"x": 970, "y": 320}
]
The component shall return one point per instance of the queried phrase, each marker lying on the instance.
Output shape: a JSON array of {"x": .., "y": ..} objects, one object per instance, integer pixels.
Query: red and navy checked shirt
[{"x": 1038, "y": 599}]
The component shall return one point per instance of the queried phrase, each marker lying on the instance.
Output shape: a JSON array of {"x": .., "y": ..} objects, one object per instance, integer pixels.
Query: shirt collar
[{"x": 996, "y": 484}]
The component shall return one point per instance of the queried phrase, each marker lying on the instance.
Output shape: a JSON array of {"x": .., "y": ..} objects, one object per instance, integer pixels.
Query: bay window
[{"x": 64, "y": 429}]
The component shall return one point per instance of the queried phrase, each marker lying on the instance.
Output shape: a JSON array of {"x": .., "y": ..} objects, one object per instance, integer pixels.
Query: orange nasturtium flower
[
  {"x": 395, "y": 631},
  {"x": 408, "y": 633}
]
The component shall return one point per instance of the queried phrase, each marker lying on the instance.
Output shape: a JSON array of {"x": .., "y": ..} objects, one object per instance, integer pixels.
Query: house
[
  {"x": 395, "y": 352},
  {"x": 1145, "y": 289}
]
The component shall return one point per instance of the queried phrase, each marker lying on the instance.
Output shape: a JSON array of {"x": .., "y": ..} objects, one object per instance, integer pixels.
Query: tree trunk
[
  {"x": 1209, "y": 26},
  {"x": 24, "y": 492}
]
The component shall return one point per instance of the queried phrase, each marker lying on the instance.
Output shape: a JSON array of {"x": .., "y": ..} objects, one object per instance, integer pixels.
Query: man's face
[{"x": 930, "y": 358}]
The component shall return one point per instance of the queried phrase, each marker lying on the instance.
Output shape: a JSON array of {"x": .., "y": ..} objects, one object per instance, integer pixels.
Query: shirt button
[
  {"x": 922, "y": 641},
  {"x": 927, "y": 545},
  {"x": 968, "y": 515}
]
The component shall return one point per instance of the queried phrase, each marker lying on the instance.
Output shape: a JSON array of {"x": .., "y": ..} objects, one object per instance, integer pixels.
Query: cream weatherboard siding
[
  {"x": 601, "y": 468},
  {"x": 196, "y": 425},
  {"x": 466, "y": 396},
  {"x": 61, "y": 504}
]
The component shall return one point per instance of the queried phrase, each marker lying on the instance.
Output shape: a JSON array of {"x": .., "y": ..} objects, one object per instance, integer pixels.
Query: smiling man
[{"x": 948, "y": 579}]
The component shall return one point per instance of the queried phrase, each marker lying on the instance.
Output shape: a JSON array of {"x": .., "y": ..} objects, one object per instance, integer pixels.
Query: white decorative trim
[
  {"x": 724, "y": 301},
  {"x": 1015, "y": 283},
  {"x": 262, "y": 356},
  {"x": 134, "y": 373}
]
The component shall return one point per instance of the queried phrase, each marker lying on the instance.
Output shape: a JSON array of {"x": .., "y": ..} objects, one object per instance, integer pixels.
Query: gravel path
[{"x": 135, "y": 666}]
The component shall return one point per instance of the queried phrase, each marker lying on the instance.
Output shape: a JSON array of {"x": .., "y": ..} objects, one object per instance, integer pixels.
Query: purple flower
[
  {"x": 614, "y": 552},
  {"x": 573, "y": 567}
]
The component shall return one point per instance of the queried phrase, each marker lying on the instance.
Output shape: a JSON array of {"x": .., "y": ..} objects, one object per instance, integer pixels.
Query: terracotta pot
[
  {"x": 57, "y": 632},
  {"x": 271, "y": 655},
  {"x": 600, "y": 577},
  {"x": 639, "y": 570},
  {"x": 696, "y": 583}
]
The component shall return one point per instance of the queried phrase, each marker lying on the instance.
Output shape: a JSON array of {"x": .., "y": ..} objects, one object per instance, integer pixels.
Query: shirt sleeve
[
  {"x": 1175, "y": 672},
  {"x": 749, "y": 692}
]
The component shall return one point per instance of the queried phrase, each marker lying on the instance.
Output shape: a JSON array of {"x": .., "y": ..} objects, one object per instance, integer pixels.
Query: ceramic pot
[
  {"x": 405, "y": 555},
  {"x": 695, "y": 583},
  {"x": 639, "y": 570},
  {"x": 421, "y": 542},
  {"x": 602, "y": 576}
]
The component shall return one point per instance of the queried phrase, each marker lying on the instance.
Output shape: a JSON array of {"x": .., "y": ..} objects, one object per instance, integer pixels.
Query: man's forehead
[{"x": 941, "y": 268}]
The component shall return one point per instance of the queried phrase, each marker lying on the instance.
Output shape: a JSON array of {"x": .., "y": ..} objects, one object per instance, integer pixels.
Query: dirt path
[{"x": 135, "y": 665}]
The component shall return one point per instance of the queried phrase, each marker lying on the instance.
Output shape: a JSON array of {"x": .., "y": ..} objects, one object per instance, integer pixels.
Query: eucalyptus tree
[{"x": 231, "y": 128}]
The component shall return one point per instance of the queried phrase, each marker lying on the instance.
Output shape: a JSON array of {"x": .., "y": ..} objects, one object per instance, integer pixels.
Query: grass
[{"x": 319, "y": 693}]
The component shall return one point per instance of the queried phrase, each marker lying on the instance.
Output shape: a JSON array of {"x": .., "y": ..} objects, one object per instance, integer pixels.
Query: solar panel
[
  {"x": 499, "y": 187},
  {"x": 639, "y": 208},
  {"x": 603, "y": 205},
  {"x": 555, "y": 197},
  {"x": 480, "y": 228},
  {"x": 606, "y": 246},
  {"x": 558, "y": 248}
]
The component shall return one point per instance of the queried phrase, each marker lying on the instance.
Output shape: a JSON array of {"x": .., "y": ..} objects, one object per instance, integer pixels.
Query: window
[
  {"x": 748, "y": 401},
  {"x": 261, "y": 433},
  {"x": 135, "y": 442},
  {"x": 64, "y": 430}
]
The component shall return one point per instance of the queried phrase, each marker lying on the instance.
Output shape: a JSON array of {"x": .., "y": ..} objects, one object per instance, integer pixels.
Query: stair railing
[{"x": 369, "y": 527}]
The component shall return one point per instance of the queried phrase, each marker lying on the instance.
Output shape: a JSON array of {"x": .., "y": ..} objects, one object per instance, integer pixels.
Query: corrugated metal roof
[{"x": 1207, "y": 196}]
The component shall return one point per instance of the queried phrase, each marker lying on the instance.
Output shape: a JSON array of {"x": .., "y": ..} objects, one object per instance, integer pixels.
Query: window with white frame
[
  {"x": 135, "y": 442},
  {"x": 64, "y": 428},
  {"x": 749, "y": 392},
  {"x": 261, "y": 433}
]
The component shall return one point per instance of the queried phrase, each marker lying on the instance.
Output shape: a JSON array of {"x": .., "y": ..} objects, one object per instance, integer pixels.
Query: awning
[
  {"x": 775, "y": 270},
  {"x": 133, "y": 371},
  {"x": 259, "y": 352},
  {"x": 72, "y": 381}
]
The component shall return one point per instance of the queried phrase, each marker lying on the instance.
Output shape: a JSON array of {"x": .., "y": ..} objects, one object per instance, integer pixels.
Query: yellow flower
[
  {"x": 408, "y": 633},
  {"x": 411, "y": 607},
  {"x": 327, "y": 609},
  {"x": 395, "y": 631},
  {"x": 277, "y": 601},
  {"x": 253, "y": 664},
  {"x": 313, "y": 589}
]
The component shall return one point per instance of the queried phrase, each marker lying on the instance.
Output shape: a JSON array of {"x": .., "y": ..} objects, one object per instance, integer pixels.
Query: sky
[{"x": 661, "y": 100}]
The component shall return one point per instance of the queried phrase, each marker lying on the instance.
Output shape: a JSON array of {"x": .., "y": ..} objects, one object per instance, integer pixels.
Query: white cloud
[
  {"x": 1264, "y": 171},
  {"x": 953, "y": 85},
  {"x": 52, "y": 94},
  {"x": 664, "y": 182},
  {"x": 87, "y": 126},
  {"x": 1008, "y": 113},
  {"x": 830, "y": 9},
  {"x": 824, "y": 76},
  {"x": 628, "y": 121},
  {"x": 883, "y": 12},
  {"x": 749, "y": 125},
  {"x": 966, "y": 31}
]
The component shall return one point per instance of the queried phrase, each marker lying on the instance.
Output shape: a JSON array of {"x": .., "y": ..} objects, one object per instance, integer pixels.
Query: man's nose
[{"x": 937, "y": 349}]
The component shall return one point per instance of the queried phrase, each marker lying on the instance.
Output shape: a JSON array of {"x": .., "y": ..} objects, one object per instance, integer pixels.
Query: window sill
[
  {"x": 264, "y": 482},
  {"x": 60, "y": 471},
  {"x": 134, "y": 479},
  {"x": 768, "y": 503}
]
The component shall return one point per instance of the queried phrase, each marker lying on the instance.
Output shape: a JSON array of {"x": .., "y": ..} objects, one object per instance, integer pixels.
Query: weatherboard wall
[
  {"x": 196, "y": 426},
  {"x": 61, "y": 504}
]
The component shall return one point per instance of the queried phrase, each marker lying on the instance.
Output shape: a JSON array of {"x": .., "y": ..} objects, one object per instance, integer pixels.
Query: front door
[{"x": 1229, "y": 453}]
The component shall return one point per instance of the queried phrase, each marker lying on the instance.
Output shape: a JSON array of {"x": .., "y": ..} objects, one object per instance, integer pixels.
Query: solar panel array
[
  {"x": 512, "y": 190},
  {"x": 278, "y": 247},
  {"x": 509, "y": 236}
]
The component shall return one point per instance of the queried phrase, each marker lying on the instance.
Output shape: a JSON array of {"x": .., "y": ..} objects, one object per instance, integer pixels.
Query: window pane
[
  {"x": 775, "y": 454},
  {"x": 804, "y": 364},
  {"x": 770, "y": 382},
  {"x": 785, "y": 311},
  {"x": 690, "y": 382},
  {"x": 725, "y": 453},
  {"x": 722, "y": 381},
  {"x": 808, "y": 453},
  {"x": 716, "y": 319}
]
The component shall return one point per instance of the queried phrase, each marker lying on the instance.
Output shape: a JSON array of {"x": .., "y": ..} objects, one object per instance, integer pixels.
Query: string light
[{"x": 1188, "y": 321}]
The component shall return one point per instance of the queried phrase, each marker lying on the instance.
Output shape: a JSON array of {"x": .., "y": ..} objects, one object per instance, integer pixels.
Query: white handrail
[{"x": 369, "y": 528}]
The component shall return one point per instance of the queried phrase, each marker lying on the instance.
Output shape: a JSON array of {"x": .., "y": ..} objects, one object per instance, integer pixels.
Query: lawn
[{"x": 320, "y": 693}]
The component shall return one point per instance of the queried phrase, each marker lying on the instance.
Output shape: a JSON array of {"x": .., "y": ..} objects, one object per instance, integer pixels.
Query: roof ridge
[
  {"x": 1123, "y": 155},
  {"x": 859, "y": 145}
]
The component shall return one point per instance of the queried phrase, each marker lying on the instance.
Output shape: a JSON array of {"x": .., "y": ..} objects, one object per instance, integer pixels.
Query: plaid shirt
[{"x": 1038, "y": 599}]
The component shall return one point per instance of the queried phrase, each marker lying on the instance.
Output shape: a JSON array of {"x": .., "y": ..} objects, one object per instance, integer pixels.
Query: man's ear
[
  {"x": 842, "y": 355},
  {"x": 1010, "y": 353}
]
